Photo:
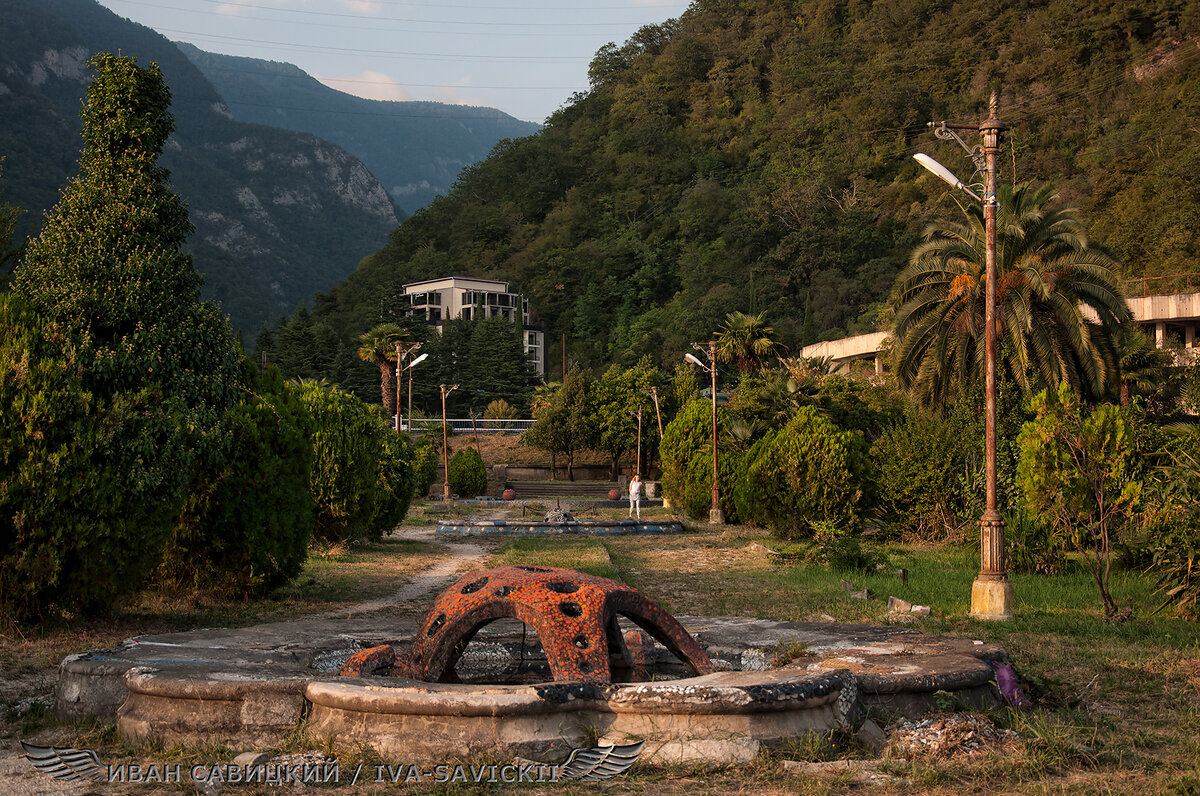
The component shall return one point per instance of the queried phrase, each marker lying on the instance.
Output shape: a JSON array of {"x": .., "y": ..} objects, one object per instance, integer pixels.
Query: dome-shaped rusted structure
[{"x": 574, "y": 616}]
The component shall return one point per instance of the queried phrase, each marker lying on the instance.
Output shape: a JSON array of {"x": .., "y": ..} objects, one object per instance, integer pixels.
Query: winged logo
[
  {"x": 599, "y": 762},
  {"x": 69, "y": 765}
]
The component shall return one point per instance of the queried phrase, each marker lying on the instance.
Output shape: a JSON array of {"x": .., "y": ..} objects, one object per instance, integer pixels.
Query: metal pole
[
  {"x": 400, "y": 367},
  {"x": 410, "y": 399},
  {"x": 657, "y": 413},
  {"x": 638, "y": 467},
  {"x": 445, "y": 448},
  {"x": 715, "y": 517},
  {"x": 992, "y": 593}
]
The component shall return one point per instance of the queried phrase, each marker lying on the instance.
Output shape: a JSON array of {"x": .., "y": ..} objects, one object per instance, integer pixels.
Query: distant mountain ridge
[
  {"x": 278, "y": 214},
  {"x": 416, "y": 149}
]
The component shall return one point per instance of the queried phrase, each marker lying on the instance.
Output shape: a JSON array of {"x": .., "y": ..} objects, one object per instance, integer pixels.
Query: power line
[
  {"x": 375, "y": 19},
  {"x": 379, "y": 53}
]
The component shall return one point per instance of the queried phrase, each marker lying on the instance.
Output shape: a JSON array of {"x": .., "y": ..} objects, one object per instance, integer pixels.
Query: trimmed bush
[
  {"x": 248, "y": 517},
  {"x": 811, "y": 471},
  {"x": 88, "y": 487},
  {"x": 348, "y": 442},
  {"x": 426, "y": 458},
  {"x": 686, "y": 455},
  {"x": 467, "y": 476},
  {"x": 396, "y": 476}
]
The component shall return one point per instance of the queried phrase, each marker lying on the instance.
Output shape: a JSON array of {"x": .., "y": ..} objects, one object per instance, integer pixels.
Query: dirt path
[{"x": 461, "y": 557}]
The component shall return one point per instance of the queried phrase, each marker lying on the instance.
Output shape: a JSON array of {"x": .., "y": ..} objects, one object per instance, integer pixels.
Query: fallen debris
[{"x": 955, "y": 735}]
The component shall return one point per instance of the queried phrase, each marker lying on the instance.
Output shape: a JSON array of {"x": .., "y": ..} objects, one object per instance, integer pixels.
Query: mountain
[
  {"x": 416, "y": 149},
  {"x": 278, "y": 214},
  {"x": 756, "y": 155}
]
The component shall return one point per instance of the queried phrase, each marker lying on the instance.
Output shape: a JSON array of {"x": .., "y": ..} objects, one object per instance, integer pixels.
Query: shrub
[
  {"x": 1172, "y": 523},
  {"x": 918, "y": 464},
  {"x": 1078, "y": 471},
  {"x": 842, "y": 550},
  {"x": 344, "y": 482},
  {"x": 248, "y": 516},
  {"x": 88, "y": 486},
  {"x": 500, "y": 409},
  {"x": 810, "y": 471},
  {"x": 467, "y": 476},
  {"x": 426, "y": 458},
  {"x": 394, "y": 482},
  {"x": 686, "y": 456}
]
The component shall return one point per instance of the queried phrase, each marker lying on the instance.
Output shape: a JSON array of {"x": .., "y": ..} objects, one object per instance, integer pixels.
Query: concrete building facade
[
  {"x": 468, "y": 297},
  {"x": 1171, "y": 318}
]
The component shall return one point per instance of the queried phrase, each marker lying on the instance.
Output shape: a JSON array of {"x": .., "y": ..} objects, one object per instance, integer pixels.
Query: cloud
[
  {"x": 363, "y": 6},
  {"x": 369, "y": 85},
  {"x": 450, "y": 94}
]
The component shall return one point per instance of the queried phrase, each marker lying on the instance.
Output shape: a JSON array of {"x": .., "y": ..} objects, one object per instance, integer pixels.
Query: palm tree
[
  {"x": 1142, "y": 367},
  {"x": 1057, "y": 297},
  {"x": 746, "y": 340},
  {"x": 378, "y": 346}
]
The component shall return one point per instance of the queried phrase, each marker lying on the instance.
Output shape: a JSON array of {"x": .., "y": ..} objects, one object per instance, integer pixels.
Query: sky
[{"x": 525, "y": 57}]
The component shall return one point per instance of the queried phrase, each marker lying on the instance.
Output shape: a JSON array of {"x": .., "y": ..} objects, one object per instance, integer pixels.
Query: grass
[{"x": 1119, "y": 703}]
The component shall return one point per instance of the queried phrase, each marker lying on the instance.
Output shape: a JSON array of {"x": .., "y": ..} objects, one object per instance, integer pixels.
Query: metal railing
[
  {"x": 467, "y": 425},
  {"x": 1162, "y": 285}
]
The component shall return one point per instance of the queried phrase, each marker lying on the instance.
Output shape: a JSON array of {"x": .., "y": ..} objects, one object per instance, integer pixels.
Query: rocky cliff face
[{"x": 278, "y": 215}]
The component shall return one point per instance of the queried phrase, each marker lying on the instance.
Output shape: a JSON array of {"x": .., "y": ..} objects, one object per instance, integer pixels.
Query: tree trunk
[{"x": 386, "y": 388}]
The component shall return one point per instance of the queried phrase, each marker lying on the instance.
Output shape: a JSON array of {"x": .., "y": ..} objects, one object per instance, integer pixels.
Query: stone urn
[
  {"x": 614, "y": 494},
  {"x": 508, "y": 494}
]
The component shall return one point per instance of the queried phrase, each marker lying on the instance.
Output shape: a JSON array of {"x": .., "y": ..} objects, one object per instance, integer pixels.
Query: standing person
[{"x": 635, "y": 495}]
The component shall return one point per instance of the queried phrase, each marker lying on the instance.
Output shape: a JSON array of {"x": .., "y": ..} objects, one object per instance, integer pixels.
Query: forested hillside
[
  {"x": 278, "y": 214},
  {"x": 415, "y": 148},
  {"x": 756, "y": 155}
]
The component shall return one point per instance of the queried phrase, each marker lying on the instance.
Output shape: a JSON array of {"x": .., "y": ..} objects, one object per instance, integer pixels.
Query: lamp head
[
  {"x": 943, "y": 173},
  {"x": 692, "y": 358},
  {"x": 418, "y": 361}
]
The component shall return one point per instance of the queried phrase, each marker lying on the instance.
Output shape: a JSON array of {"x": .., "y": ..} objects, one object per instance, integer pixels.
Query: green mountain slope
[
  {"x": 415, "y": 148},
  {"x": 278, "y": 214},
  {"x": 756, "y": 155}
]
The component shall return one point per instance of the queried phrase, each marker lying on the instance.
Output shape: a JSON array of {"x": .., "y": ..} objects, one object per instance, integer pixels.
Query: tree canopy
[
  {"x": 1057, "y": 297},
  {"x": 755, "y": 156}
]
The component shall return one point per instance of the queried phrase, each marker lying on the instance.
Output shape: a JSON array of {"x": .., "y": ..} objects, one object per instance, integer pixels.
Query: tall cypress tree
[
  {"x": 109, "y": 264},
  {"x": 153, "y": 367}
]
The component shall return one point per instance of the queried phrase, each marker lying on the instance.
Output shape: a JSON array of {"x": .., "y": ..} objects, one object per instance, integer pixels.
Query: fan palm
[
  {"x": 1056, "y": 298},
  {"x": 378, "y": 346},
  {"x": 746, "y": 340}
]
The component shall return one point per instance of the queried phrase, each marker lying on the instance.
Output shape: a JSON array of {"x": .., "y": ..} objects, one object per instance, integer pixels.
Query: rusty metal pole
[
  {"x": 638, "y": 467},
  {"x": 715, "y": 517},
  {"x": 400, "y": 370},
  {"x": 992, "y": 593},
  {"x": 657, "y": 412},
  {"x": 446, "y": 390}
]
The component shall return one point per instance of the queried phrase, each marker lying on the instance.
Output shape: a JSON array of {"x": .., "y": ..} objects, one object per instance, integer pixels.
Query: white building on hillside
[{"x": 468, "y": 297}]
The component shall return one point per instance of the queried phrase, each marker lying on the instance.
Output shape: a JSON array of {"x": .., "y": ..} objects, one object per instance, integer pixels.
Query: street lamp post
[
  {"x": 403, "y": 352},
  {"x": 715, "y": 515},
  {"x": 992, "y": 593},
  {"x": 446, "y": 390},
  {"x": 637, "y": 468},
  {"x": 657, "y": 412},
  {"x": 412, "y": 365}
]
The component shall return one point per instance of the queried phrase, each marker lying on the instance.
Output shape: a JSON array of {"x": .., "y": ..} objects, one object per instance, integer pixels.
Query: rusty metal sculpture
[{"x": 573, "y": 614}]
